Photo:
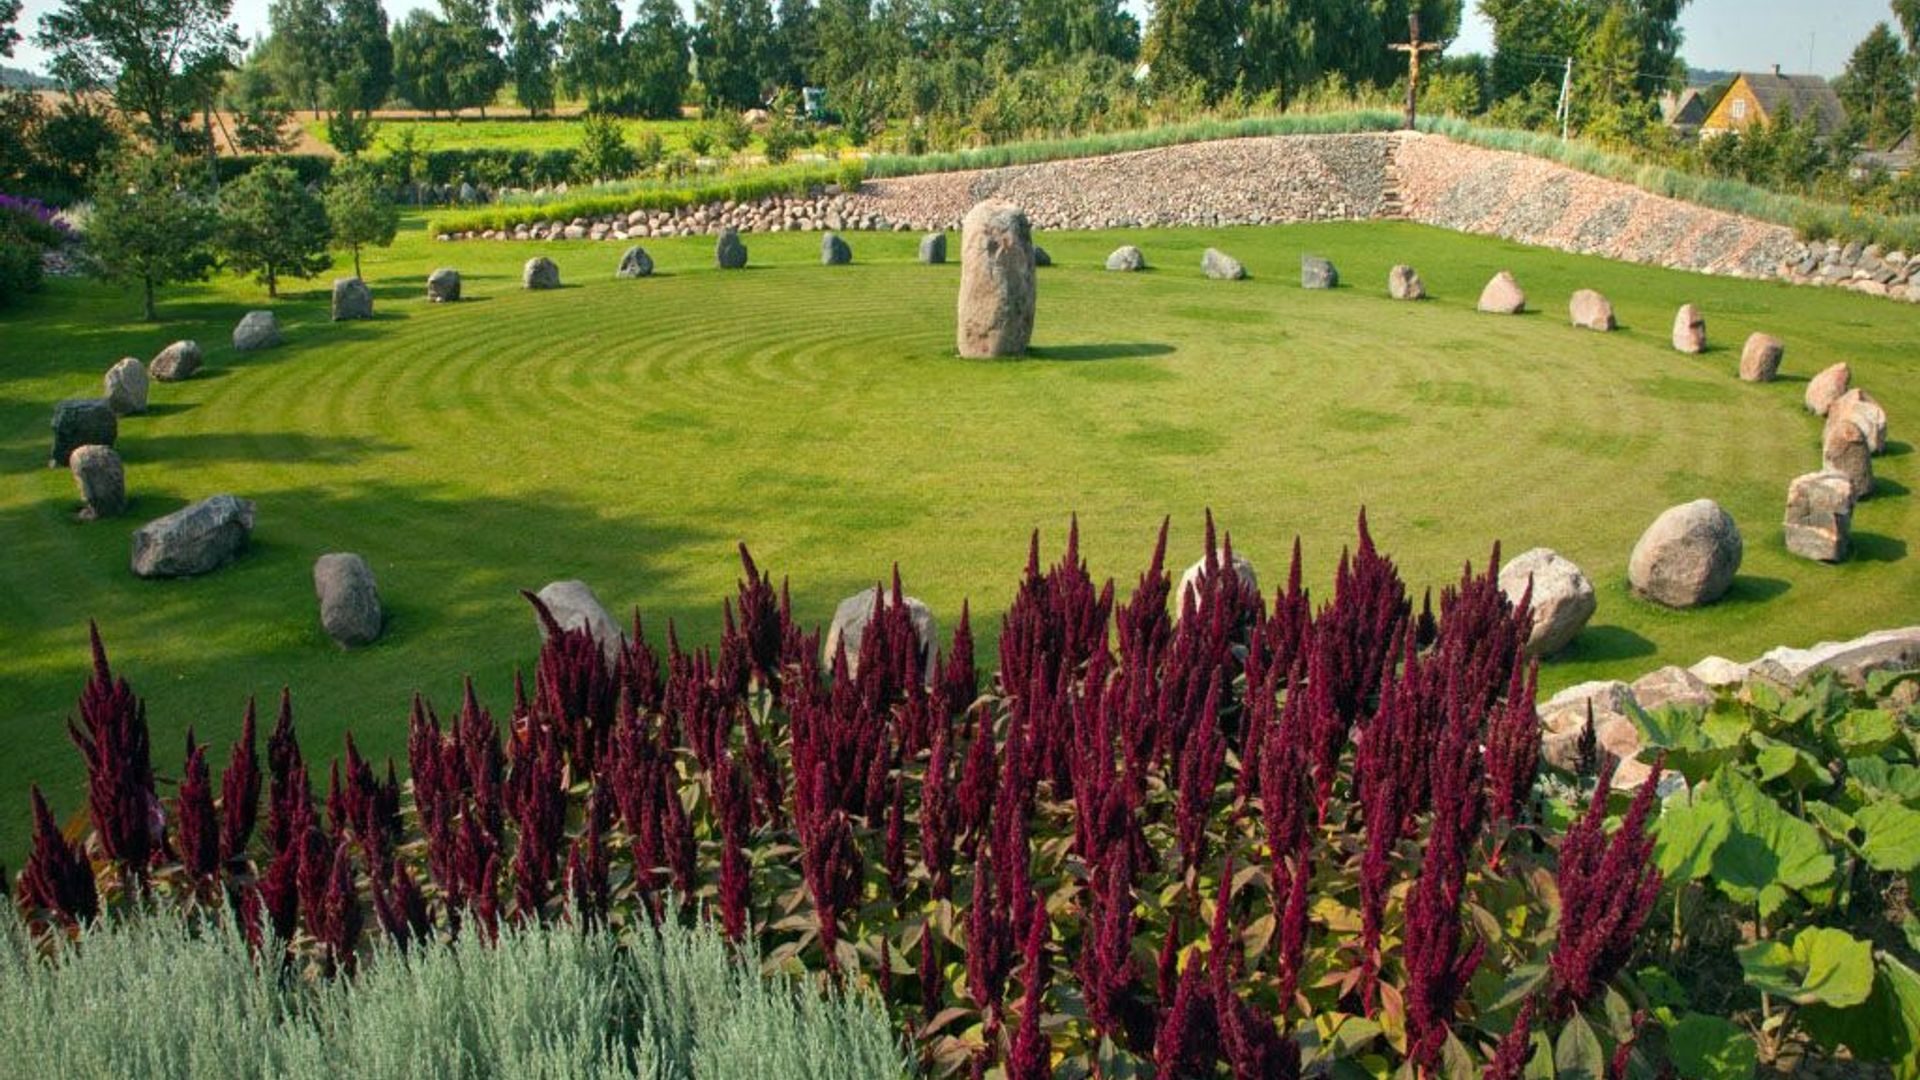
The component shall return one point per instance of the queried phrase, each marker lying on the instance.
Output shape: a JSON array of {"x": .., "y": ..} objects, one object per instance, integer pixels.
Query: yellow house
[{"x": 1758, "y": 97}]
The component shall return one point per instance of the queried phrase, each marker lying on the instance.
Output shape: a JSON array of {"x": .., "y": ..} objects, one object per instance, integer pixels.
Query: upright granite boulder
[
  {"x": 1819, "y": 523},
  {"x": 854, "y": 614},
  {"x": 833, "y": 250},
  {"x": 102, "y": 480},
  {"x": 1689, "y": 330},
  {"x": 997, "y": 296},
  {"x": 574, "y": 607},
  {"x": 933, "y": 248},
  {"x": 729, "y": 251},
  {"x": 81, "y": 422},
  {"x": 1860, "y": 409},
  {"x": 1591, "y": 311},
  {"x": 1403, "y": 283},
  {"x": 443, "y": 286},
  {"x": 1503, "y": 296},
  {"x": 1221, "y": 266},
  {"x": 351, "y": 299},
  {"x": 1040, "y": 256},
  {"x": 1826, "y": 388},
  {"x": 1318, "y": 273},
  {"x": 126, "y": 385},
  {"x": 349, "y": 599},
  {"x": 540, "y": 273},
  {"x": 1561, "y": 597},
  {"x": 634, "y": 263},
  {"x": 1844, "y": 449},
  {"x": 176, "y": 362},
  {"x": 257, "y": 330},
  {"x": 195, "y": 540},
  {"x": 1190, "y": 579},
  {"x": 1687, "y": 557},
  {"x": 1760, "y": 358},
  {"x": 1126, "y": 258}
]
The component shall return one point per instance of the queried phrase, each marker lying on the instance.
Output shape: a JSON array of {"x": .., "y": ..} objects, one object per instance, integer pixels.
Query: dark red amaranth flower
[
  {"x": 1189, "y": 1040},
  {"x": 1516, "y": 1046},
  {"x": 989, "y": 939},
  {"x": 240, "y": 792},
  {"x": 538, "y": 804},
  {"x": 289, "y": 792},
  {"x": 1253, "y": 1046},
  {"x": 197, "y": 835},
  {"x": 111, "y": 734},
  {"x": 731, "y": 803},
  {"x": 933, "y": 988},
  {"x": 1513, "y": 746},
  {"x": 280, "y": 892},
  {"x": 1438, "y": 969},
  {"x": 761, "y": 628},
  {"x": 1031, "y": 1057},
  {"x": 1607, "y": 886},
  {"x": 588, "y": 885},
  {"x": 57, "y": 878},
  {"x": 959, "y": 682},
  {"x": 401, "y": 908},
  {"x": 575, "y": 689},
  {"x": 338, "y": 920}
]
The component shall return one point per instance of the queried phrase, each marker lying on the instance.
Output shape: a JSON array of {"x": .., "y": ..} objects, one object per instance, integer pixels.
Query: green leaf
[
  {"x": 1880, "y": 776},
  {"x": 1786, "y": 762},
  {"x": 1768, "y": 850},
  {"x": 1836, "y": 823},
  {"x": 1693, "y": 750},
  {"x": 1686, "y": 836},
  {"x": 1865, "y": 732},
  {"x": 1885, "y": 1028},
  {"x": 1824, "y": 965},
  {"x": 1577, "y": 1054},
  {"x": 1540, "y": 1065},
  {"x": 1708, "y": 1048},
  {"x": 1882, "y": 683},
  {"x": 1519, "y": 986},
  {"x": 1893, "y": 836}
]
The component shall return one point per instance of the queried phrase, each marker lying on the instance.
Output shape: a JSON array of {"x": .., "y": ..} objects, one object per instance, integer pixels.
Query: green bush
[
  {"x": 159, "y": 996},
  {"x": 19, "y": 270}
]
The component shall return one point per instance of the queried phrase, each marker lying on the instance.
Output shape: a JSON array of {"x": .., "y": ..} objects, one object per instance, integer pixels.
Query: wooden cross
[{"x": 1413, "y": 48}]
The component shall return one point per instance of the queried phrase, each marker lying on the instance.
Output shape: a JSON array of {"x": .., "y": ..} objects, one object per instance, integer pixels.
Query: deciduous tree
[
  {"x": 151, "y": 224},
  {"x": 359, "y": 210},
  {"x": 153, "y": 56},
  {"x": 271, "y": 226}
]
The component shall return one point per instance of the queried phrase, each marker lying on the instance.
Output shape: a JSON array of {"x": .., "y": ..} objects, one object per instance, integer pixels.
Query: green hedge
[{"x": 643, "y": 195}]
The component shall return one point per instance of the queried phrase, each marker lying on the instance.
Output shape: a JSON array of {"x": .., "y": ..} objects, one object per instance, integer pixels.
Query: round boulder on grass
[
  {"x": 1221, "y": 266},
  {"x": 443, "y": 286},
  {"x": 81, "y": 422},
  {"x": 1687, "y": 557},
  {"x": 933, "y": 248},
  {"x": 1242, "y": 569},
  {"x": 1502, "y": 296},
  {"x": 1844, "y": 449},
  {"x": 1689, "y": 330},
  {"x": 574, "y": 607},
  {"x": 729, "y": 252},
  {"x": 102, "y": 480},
  {"x": 349, "y": 599},
  {"x": 1760, "y": 358},
  {"x": 1318, "y": 273},
  {"x": 854, "y": 614},
  {"x": 997, "y": 296},
  {"x": 1825, "y": 388},
  {"x": 1403, "y": 283},
  {"x": 195, "y": 540},
  {"x": 834, "y": 251},
  {"x": 1859, "y": 407},
  {"x": 1591, "y": 311},
  {"x": 1040, "y": 256},
  {"x": 351, "y": 299},
  {"x": 540, "y": 273},
  {"x": 126, "y": 385},
  {"x": 1561, "y": 597},
  {"x": 257, "y": 330},
  {"x": 1126, "y": 258},
  {"x": 635, "y": 263},
  {"x": 177, "y": 361},
  {"x": 1819, "y": 523}
]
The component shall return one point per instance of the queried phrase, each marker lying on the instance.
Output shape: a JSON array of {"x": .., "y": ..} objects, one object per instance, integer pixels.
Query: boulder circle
[
  {"x": 1687, "y": 557},
  {"x": 1844, "y": 449},
  {"x": 997, "y": 296},
  {"x": 574, "y": 607},
  {"x": 349, "y": 599},
  {"x": 1562, "y": 599},
  {"x": 1127, "y": 258},
  {"x": 540, "y": 273},
  {"x": 351, "y": 299},
  {"x": 1826, "y": 388},
  {"x": 834, "y": 251},
  {"x": 1503, "y": 296},
  {"x": 1859, "y": 407},
  {"x": 634, "y": 263},
  {"x": 854, "y": 614},
  {"x": 1819, "y": 522},
  {"x": 126, "y": 385},
  {"x": 257, "y": 330},
  {"x": 81, "y": 422},
  {"x": 1403, "y": 283},
  {"x": 102, "y": 481},
  {"x": 933, "y": 248},
  {"x": 1318, "y": 273},
  {"x": 1591, "y": 311},
  {"x": 177, "y": 361},
  {"x": 729, "y": 252},
  {"x": 1760, "y": 358},
  {"x": 1221, "y": 266},
  {"x": 194, "y": 540},
  {"x": 443, "y": 285},
  {"x": 1689, "y": 330}
]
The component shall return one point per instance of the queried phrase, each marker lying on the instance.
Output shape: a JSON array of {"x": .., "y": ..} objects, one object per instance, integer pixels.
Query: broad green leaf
[
  {"x": 1880, "y": 776},
  {"x": 1708, "y": 1048},
  {"x": 1882, "y": 683},
  {"x": 1865, "y": 732},
  {"x": 1834, "y": 822},
  {"x": 1787, "y": 763},
  {"x": 1540, "y": 1065},
  {"x": 1885, "y": 1028},
  {"x": 1768, "y": 851},
  {"x": 1577, "y": 1054},
  {"x": 1659, "y": 987},
  {"x": 1692, "y": 749},
  {"x": 1519, "y": 986},
  {"x": 1686, "y": 836},
  {"x": 1893, "y": 836},
  {"x": 1824, "y": 965}
]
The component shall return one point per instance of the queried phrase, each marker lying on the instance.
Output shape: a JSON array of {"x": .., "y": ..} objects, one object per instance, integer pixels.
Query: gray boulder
[
  {"x": 1503, "y": 296},
  {"x": 1671, "y": 686},
  {"x": 257, "y": 330},
  {"x": 1819, "y": 523},
  {"x": 1242, "y": 569},
  {"x": 729, "y": 253},
  {"x": 1562, "y": 599},
  {"x": 1221, "y": 266},
  {"x": 1760, "y": 358},
  {"x": 1826, "y": 388},
  {"x": 1852, "y": 661},
  {"x": 126, "y": 385},
  {"x": 1591, "y": 311},
  {"x": 1403, "y": 283},
  {"x": 834, "y": 251},
  {"x": 574, "y": 606},
  {"x": 1860, "y": 409},
  {"x": 81, "y": 422},
  {"x": 540, "y": 273},
  {"x": 1687, "y": 557},
  {"x": 635, "y": 263},
  {"x": 443, "y": 286},
  {"x": 1127, "y": 258},
  {"x": 351, "y": 299},
  {"x": 933, "y": 248},
  {"x": 102, "y": 480},
  {"x": 195, "y": 540},
  {"x": 854, "y": 614},
  {"x": 1689, "y": 330},
  {"x": 1317, "y": 273},
  {"x": 349, "y": 599},
  {"x": 1040, "y": 256},
  {"x": 177, "y": 361},
  {"x": 1844, "y": 449},
  {"x": 997, "y": 296}
]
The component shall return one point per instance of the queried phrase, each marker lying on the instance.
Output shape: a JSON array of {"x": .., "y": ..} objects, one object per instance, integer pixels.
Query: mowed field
[
  {"x": 499, "y": 133},
  {"x": 630, "y": 433}
]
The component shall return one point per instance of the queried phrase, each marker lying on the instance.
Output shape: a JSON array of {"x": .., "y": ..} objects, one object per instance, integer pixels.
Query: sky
[{"x": 1725, "y": 35}]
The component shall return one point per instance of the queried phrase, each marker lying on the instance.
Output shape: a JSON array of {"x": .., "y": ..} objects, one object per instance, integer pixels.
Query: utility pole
[
  {"x": 1413, "y": 48},
  {"x": 1566, "y": 101}
]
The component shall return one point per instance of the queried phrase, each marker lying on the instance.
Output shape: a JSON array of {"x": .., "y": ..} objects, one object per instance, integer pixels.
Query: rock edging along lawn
[{"x": 1271, "y": 180}]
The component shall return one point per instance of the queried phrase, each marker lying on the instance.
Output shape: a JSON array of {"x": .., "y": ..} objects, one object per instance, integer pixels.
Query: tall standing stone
[
  {"x": 257, "y": 330},
  {"x": 729, "y": 252},
  {"x": 540, "y": 273},
  {"x": 854, "y": 614},
  {"x": 351, "y": 299},
  {"x": 1318, "y": 273},
  {"x": 574, "y": 607},
  {"x": 443, "y": 285},
  {"x": 1689, "y": 330},
  {"x": 1403, "y": 283},
  {"x": 997, "y": 296},
  {"x": 1760, "y": 358},
  {"x": 1688, "y": 556},
  {"x": 1858, "y": 407},
  {"x": 1819, "y": 523},
  {"x": 203, "y": 537},
  {"x": 834, "y": 251},
  {"x": 1844, "y": 450},
  {"x": 1826, "y": 388},
  {"x": 126, "y": 385},
  {"x": 1503, "y": 296},
  {"x": 81, "y": 422},
  {"x": 102, "y": 480},
  {"x": 1591, "y": 311},
  {"x": 933, "y": 248},
  {"x": 349, "y": 598}
]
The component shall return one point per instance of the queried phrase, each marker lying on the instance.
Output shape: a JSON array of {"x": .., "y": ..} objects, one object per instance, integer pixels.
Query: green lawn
[
  {"x": 472, "y": 133},
  {"x": 630, "y": 432}
]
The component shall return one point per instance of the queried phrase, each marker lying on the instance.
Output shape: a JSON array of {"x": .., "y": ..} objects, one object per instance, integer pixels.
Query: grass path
[{"x": 628, "y": 433}]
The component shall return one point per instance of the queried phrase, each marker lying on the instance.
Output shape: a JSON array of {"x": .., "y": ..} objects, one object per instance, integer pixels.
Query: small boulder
[
  {"x": 199, "y": 538},
  {"x": 1825, "y": 388},
  {"x": 126, "y": 384},
  {"x": 540, "y": 273},
  {"x": 1562, "y": 599},
  {"x": 1760, "y": 358},
  {"x": 1502, "y": 296},
  {"x": 1242, "y": 569},
  {"x": 854, "y": 614},
  {"x": 257, "y": 330},
  {"x": 349, "y": 599},
  {"x": 443, "y": 286},
  {"x": 1689, "y": 330},
  {"x": 933, "y": 248},
  {"x": 1859, "y": 407},
  {"x": 1221, "y": 266},
  {"x": 1403, "y": 283},
  {"x": 1687, "y": 557},
  {"x": 1318, "y": 273},
  {"x": 574, "y": 607},
  {"x": 1126, "y": 258},
  {"x": 729, "y": 252},
  {"x": 1844, "y": 449},
  {"x": 635, "y": 263},
  {"x": 177, "y": 361},
  {"x": 81, "y": 422},
  {"x": 1591, "y": 311},
  {"x": 1671, "y": 686},
  {"x": 102, "y": 480},
  {"x": 351, "y": 299},
  {"x": 834, "y": 251},
  {"x": 1040, "y": 256},
  {"x": 997, "y": 296},
  {"x": 1819, "y": 523}
]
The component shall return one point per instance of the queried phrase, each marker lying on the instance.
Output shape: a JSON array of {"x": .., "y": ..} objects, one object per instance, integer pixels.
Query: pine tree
[
  {"x": 359, "y": 211},
  {"x": 1877, "y": 87},
  {"x": 151, "y": 223},
  {"x": 271, "y": 226}
]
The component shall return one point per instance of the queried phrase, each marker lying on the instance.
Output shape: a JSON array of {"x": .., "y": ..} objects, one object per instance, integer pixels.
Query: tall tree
[
  {"x": 9, "y": 37},
  {"x": 530, "y": 42},
  {"x": 422, "y": 53},
  {"x": 593, "y": 55},
  {"x": 151, "y": 224},
  {"x": 1877, "y": 87},
  {"x": 153, "y": 56},
  {"x": 1532, "y": 39},
  {"x": 475, "y": 71},
  {"x": 303, "y": 49},
  {"x": 363, "y": 52},
  {"x": 658, "y": 47},
  {"x": 794, "y": 48},
  {"x": 1194, "y": 43},
  {"x": 272, "y": 227},
  {"x": 734, "y": 46},
  {"x": 359, "y": 210}
]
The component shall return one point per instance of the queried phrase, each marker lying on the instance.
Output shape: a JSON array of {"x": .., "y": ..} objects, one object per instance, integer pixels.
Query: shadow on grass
[
  {"x": 1897, "y": 449},
  {"x": 1754, "y": 589},
  {"x": 1604, "y": 644},
  {"x": 1878, "y": 547},
  {"x": 1113, "y": 351},
  {"x": 277, "y": 448}
]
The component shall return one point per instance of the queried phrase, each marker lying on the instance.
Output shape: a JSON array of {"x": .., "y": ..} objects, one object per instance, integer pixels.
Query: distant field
[
  {"x": 469, "y": 133},
  {"x": 631, "y": 432}
]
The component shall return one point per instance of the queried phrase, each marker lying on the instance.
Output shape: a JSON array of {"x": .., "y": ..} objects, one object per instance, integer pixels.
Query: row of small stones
[{"x": 1865, "y": 268}]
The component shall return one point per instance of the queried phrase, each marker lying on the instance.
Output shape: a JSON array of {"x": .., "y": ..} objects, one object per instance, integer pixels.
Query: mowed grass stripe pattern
[{"x": 630, "y": 432}]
